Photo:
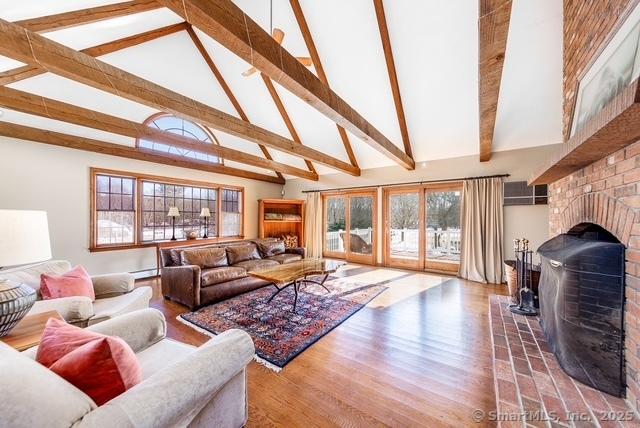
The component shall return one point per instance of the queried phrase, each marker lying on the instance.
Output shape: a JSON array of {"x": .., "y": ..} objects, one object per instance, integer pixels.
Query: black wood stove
[{"x": 581, "y": 305}]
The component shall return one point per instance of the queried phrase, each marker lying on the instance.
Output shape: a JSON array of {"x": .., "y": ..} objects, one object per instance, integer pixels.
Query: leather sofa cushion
[
  {"x": 221, "y": 274},
  {"x": 257, "y": 264},
  {"x": 241, "y": 253},
  {"x": 285, "y": 258},
  {"x": 273, "y": 248},
  {"x": 204, "y": 257},
  {"x": 175, "y": 257}
]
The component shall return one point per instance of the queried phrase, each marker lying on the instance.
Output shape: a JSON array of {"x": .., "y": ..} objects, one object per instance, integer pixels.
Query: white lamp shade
[
  {"x": 204, "y": 212},
  {"x": 24, "y": 237},
  {"x": 173, "y": 212}
]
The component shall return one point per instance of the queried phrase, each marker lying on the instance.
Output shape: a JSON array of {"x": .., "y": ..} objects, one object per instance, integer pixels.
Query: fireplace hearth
[{"x": 581, "y": 305}]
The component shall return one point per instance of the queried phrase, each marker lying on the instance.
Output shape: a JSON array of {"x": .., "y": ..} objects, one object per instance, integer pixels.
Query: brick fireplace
[{"x": 607, "y": 193}]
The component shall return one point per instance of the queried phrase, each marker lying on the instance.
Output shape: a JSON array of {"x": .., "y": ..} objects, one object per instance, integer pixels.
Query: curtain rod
[{"x": 407, "y": 183}]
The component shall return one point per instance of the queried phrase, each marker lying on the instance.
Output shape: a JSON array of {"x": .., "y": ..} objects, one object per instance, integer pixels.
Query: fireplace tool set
[{"x": 524, "y": 268}]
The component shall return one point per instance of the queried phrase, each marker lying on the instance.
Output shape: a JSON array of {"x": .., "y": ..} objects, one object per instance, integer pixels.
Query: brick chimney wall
[{"x": 606, "y": 192}]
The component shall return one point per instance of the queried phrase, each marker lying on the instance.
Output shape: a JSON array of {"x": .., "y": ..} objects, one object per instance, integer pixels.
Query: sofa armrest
[
  {"x": 74, "y": 310},
  {"x": 296, "y": 250},
  {"x": 182, "y": 284},
  {"x": 176, "y": 394},
  {"x": 140, "y": 329},
  {"x": 113, "y": 284}
]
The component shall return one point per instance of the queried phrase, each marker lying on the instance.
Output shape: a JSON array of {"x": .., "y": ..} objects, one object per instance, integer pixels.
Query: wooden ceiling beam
[
  {"x": 25, "y": 102},
  {"x": 20, "y": 73},
  {"x": 225, "y": 22},
  {"x": 80, "y": 143},
  {"x": 27, "y": 71},
  {"x": 393, "y": 77},
  {"x": 134, "y": 40},
  {"x": 31, "y": 48},
  {"x": 317, "y": 64},
  {"x": 283, "y": 113},
  {"x": 223, "y": 83},
  {"x": 75, "y": 18},
  {"x": 493, "y": 30}
]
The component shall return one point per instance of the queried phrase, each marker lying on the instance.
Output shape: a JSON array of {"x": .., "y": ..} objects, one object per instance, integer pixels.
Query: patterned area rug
[{"x": 280, "y": 335}]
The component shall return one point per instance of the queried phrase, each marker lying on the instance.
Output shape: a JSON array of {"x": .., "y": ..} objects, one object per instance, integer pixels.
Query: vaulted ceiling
[{"x": 396, "y": 64}]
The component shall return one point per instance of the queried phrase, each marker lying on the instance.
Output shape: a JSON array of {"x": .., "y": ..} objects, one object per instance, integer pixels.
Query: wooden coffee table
[
  {"x": 28, "y": 332},
  {"x": 297, "y": 273}
]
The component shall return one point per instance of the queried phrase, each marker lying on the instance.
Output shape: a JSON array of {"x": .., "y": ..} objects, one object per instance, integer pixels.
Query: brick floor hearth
[{"x": 532, "y": 389}]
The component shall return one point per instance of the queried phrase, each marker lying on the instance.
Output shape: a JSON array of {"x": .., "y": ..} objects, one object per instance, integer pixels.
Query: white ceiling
[{"x": 435, "y": 51}]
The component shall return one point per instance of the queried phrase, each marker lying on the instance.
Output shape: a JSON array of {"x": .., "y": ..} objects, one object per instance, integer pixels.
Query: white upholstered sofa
[
  {"x": 182, "y": 386},
  {"x": 115, "y": 294}
]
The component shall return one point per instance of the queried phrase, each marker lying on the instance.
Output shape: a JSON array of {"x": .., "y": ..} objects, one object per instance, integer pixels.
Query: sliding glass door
[
  {"x": 402, "y": 212},
  {"x": 442, "y": 243},
  {"x": 361, "y": 235},
  {"x": 350, "y": 226},
  {"x": 335, "y": 225},
  {"x": 422, "y": 227}
]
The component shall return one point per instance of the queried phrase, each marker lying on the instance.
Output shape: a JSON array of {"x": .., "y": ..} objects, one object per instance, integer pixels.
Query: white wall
[
  {"x": 530, "y": 222},
  {"x": 54, "y": 179}
]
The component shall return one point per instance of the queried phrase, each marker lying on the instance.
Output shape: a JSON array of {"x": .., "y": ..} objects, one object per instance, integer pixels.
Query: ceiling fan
[{"x": 278, "y": 35}]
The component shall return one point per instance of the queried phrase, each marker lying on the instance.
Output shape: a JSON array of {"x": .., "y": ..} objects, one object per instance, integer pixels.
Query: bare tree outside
[
  {"x": 443, "y": 226},
  {"x": 336, "y": 214},
  {"x": 361, "y": 212},
  {"x": 443, "y": 210},
  {"x": 405, "y": 211},
  {"x": 404, "y": 215}
]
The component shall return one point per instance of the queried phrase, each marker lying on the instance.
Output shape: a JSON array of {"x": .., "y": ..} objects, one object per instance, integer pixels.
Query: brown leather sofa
[{"x": 198, "y": 276}]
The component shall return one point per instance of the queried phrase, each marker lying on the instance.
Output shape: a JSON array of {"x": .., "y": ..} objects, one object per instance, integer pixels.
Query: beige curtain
[
  {"x": 482, "y": 252},
  {"x": 313, "y": 225}
]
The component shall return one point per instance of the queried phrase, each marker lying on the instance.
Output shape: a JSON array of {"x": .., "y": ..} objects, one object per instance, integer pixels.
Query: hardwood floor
[{"x": 417, "y": 355}]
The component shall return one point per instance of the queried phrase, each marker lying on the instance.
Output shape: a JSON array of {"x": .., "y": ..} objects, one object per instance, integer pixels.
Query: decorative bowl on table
[{"x": 15, "y": 301}]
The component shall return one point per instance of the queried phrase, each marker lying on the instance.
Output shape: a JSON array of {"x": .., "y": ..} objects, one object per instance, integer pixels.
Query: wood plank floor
[{"x": 417, "y": 355}]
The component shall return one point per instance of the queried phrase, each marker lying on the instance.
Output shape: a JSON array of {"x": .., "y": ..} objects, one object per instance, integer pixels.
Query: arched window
[{"x": 185, "y": 128}]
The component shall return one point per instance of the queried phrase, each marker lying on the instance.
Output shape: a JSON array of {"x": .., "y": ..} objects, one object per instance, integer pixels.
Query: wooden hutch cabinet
[{"x": 278, "y": 217}]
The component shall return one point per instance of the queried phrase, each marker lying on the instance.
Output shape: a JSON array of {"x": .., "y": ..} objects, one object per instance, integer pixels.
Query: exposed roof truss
[{"x": 223, "y": 21}]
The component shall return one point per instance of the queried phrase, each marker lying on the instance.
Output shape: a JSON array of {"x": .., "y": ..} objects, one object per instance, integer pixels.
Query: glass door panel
[
  {"x": 350, "y": 226},
  {"x": 360, "y": 238},
  {"x": 403, "y": 235},
  {"x": 442, "y": 232},
  {"x": 404, "y": 226},
  {"x": 335, "y": 226},
  {"x": 361, "y": 225}
]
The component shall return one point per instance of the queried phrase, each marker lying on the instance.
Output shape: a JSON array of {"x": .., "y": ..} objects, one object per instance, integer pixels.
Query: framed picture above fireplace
[{"x": 616, "y": 67}]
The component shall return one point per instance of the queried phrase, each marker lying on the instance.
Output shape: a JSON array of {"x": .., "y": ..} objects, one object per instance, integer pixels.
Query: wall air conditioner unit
[{"x": 518, "y": 193}]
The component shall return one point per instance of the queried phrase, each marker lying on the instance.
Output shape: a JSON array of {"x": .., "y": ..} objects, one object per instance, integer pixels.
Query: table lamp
[
  {"x": 173, "y": 213},
  {"x": 205, "y": 213},
  {"x": 24, "y": 239}
]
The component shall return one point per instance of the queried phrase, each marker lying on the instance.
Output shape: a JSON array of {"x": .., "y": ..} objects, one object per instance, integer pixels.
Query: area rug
[{"x": 278, "y": 334}]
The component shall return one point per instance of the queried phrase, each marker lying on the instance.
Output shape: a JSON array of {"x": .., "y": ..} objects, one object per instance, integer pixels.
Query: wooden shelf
[
  {"x": 616, "y": 126},
  {"x": 278, "y": 228}
]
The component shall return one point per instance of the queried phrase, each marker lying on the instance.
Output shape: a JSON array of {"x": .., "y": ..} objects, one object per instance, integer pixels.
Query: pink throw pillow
[
  {"x": 103, "y": 367},
  {"x": 76, "y": 282}
]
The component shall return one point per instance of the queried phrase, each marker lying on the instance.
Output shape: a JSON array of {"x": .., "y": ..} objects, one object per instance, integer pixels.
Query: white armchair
[
  {"x": 182, "y": 386},
  {"x": 115, "y": 294}
]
